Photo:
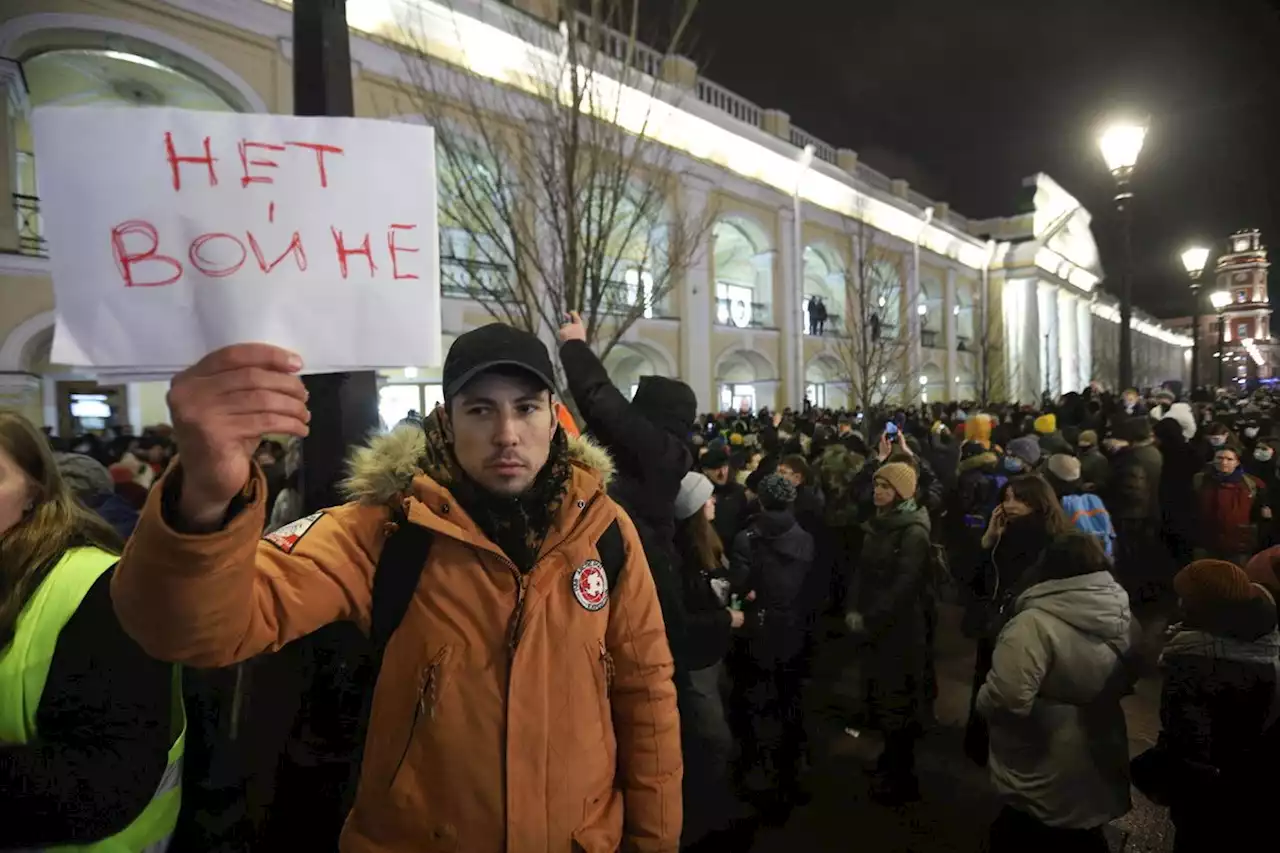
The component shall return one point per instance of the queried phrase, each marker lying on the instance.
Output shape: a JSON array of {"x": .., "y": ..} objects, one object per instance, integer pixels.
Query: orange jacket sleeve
[
  {"x": 645, "y": 720},
  {"x": 219, "y": 598}
]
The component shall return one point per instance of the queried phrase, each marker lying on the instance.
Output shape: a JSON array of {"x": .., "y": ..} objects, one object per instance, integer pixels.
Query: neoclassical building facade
[{"x": 1012, "y": 307}]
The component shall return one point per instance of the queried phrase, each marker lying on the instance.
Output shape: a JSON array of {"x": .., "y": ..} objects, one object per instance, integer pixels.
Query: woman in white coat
[{"x": 1059, "y": 748}]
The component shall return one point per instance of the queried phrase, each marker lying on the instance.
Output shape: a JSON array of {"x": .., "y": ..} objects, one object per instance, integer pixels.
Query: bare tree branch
[{"x": 553, "y": 195}]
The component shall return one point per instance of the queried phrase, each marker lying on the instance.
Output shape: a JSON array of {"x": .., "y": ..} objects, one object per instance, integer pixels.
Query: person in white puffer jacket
[{"x": 1059, "y": 747}]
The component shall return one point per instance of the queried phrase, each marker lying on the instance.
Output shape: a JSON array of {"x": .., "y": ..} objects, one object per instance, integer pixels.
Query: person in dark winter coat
[
  {"x": 889, "y": 608},
  {"x": 731, "y": 497},
  {"x": 1094, "y": 467},
  {"x": 1051, "y": 440},
  {"x": 1133, "y": 499},
  {"x": 1177, "y": 492},
  {"x": 1059, "y": 746},
  {"x": 1218, "y": 694},
  {"x": 775, "y": 555},
  {"x": 1262, "y": 464},
  {"x": 710, "y": 623},
  {"x": 1026, "y": 520}
]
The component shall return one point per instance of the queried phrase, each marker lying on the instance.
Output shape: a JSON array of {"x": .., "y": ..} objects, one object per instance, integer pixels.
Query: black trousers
[
  {"x": 774, "y": 738},
  {"x": 1018, "y": 832}
]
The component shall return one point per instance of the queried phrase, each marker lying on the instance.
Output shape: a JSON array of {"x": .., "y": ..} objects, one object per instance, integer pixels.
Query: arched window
[
  {"x": 929, "y": 309},
  {"x": 744, "y": 274},
  {"x": 885, "y": 289},
  {"x": 824, "y": 281}
]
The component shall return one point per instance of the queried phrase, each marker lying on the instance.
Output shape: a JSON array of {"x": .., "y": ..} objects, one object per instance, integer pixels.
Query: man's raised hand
[{"x": 222, "y": 406}]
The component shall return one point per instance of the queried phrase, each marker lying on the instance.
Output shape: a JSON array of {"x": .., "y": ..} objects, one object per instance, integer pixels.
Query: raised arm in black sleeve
[
  {"x": 104, "y": 721},
  {"x": 608, "y": 414}
]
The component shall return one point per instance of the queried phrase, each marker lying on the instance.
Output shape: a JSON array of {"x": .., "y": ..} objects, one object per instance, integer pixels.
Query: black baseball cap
[{"x": 495, "y": 345}]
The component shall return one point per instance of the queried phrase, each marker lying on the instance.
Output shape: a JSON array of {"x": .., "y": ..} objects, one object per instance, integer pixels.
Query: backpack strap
[
  {"x": 404, "y": 555},
  {"x": 613, "y": 553}
]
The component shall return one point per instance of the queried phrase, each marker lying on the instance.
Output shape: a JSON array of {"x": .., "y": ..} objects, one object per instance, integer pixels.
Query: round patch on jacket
[{"x": 590, "y": 586}]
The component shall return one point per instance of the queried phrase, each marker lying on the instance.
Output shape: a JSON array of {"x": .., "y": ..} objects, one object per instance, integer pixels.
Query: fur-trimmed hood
[{"x": 382, "y": 472}]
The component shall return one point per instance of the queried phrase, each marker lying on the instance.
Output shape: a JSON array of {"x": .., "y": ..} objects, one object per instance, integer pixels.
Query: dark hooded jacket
[
  {"x": 776, "y": 555},
  {"x": 651, "y": 458},
  {"x": 893, "y": 593}
]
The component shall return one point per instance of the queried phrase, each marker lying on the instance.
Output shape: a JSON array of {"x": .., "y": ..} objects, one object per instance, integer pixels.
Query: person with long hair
[
  {"x": 1022, "y": 525},
  {"x": 91, "y": 729},
  {"x": 709, "y": 625}
]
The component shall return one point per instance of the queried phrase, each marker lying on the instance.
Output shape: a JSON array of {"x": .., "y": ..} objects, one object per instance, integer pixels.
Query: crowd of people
[{"x": 614, "y": 640}]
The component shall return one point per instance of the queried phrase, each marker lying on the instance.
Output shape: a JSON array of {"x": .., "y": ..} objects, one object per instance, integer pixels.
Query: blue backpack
[{"x": 1087, "y": 514}]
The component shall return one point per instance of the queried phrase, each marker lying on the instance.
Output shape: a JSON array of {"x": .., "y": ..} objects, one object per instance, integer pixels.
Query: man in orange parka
[{"x": 523, "y": 706}]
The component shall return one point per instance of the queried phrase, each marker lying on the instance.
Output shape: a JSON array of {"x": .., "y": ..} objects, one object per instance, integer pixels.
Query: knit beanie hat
[
  {"x": 1046, "y": 424},
  {"x": 1065, "y": 468},
  {"x": 1026, "y": 448},
  {"x": 695, "y": 491},
  {"x": 1264, "y": 568},
  {"x": 900, "y": 476},
  {"x": 86, "y": 476},
  {"x": 776, "y": 492},
  {"x": 1207, "y": 585},
  {"x": 666, "y": 403},
  {"x": 978, "y": 428},
  {"x": 1088, "y": 438}
]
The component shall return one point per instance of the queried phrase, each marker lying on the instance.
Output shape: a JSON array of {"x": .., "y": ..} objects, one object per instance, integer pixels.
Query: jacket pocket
[{"x": 431, "y": 684}]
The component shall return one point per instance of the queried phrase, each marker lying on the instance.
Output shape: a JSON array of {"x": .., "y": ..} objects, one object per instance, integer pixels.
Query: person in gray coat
[{"x": 1059, "y": 747}]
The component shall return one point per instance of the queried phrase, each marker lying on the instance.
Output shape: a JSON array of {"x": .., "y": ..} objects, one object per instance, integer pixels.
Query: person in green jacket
[{"x": 90, "y": 727}]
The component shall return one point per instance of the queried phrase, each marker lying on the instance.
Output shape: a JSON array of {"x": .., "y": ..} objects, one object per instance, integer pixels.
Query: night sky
[{"x": 965, "y": 98}]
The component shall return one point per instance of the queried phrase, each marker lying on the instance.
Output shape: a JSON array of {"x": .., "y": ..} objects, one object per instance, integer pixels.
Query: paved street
[{"x": 958, "y": 803}]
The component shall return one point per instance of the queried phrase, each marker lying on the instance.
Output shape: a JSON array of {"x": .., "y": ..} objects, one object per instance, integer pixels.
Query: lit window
[
  {"x": 816, "y": 392},
  {"x": 733, "y": 305},
  {"x": 639, "y": 287}
]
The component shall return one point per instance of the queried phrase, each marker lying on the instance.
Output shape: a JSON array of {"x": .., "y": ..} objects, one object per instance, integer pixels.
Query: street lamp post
[
  {"x": 1121, "y": 144},
  {"x": 1194, "y": 259},
  {"x": 1221, "y": 299}
]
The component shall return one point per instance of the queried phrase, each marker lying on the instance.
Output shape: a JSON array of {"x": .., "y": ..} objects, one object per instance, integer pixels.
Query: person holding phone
[{"x": 1022, "y": 525}]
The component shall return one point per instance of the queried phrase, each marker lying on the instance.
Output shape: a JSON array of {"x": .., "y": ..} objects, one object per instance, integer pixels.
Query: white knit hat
[{"x": 695, "y": 491}]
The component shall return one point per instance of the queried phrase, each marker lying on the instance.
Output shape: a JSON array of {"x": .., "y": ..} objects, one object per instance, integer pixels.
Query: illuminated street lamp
[
  {"x": 1221, "y": 299},
  {"x": 1121, "y": 144},
  {"x": 1193, "y": 259}
]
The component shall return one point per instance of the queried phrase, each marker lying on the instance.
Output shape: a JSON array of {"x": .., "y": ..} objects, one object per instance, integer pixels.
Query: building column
[
  {"x": 1068, "y": 352},
  {"x": 786, "y": 314},
  {"x": 697, "y": 300},
  {"x": 950, "y": 324},
  {"x": 14, "y": 107},
  {"x": 911, "y": 302},
  {"x": 1084, "y": 342}
]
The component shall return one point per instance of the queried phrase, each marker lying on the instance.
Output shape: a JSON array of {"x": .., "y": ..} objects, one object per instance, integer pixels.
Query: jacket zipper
[
  {"x": 606, "y": 661},
  {"x": 428, "y": 694},
  {"x": 522, "y": 590}
]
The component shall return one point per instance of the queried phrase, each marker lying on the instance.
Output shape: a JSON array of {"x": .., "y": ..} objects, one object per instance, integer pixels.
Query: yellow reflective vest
[{"x": 24, "y": 668}]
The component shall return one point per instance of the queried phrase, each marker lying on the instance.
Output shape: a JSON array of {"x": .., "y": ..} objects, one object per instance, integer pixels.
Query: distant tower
[{"x": 1242, "y": 272}]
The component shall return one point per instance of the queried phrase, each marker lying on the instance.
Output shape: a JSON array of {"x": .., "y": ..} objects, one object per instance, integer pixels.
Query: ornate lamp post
[
  {"x": 1121, "y": 144},
  {"x": 1193, "y": 259},
  {"x": 1221, "y": 299}
]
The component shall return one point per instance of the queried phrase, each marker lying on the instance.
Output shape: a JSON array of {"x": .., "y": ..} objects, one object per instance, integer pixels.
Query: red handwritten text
[{"x": 245, "y": 149}]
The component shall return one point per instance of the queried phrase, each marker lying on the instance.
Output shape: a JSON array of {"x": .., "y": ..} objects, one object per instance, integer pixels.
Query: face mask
[
  {"x": 1263, "y": 454},
  {"x": 1012, "y": 464},
  {"x": 1217, "y": 441},
  {"x": 1251, "y": 432}
]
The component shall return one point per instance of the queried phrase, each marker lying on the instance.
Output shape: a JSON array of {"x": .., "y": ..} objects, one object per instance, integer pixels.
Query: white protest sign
[{"x": 175, "y": 232}]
